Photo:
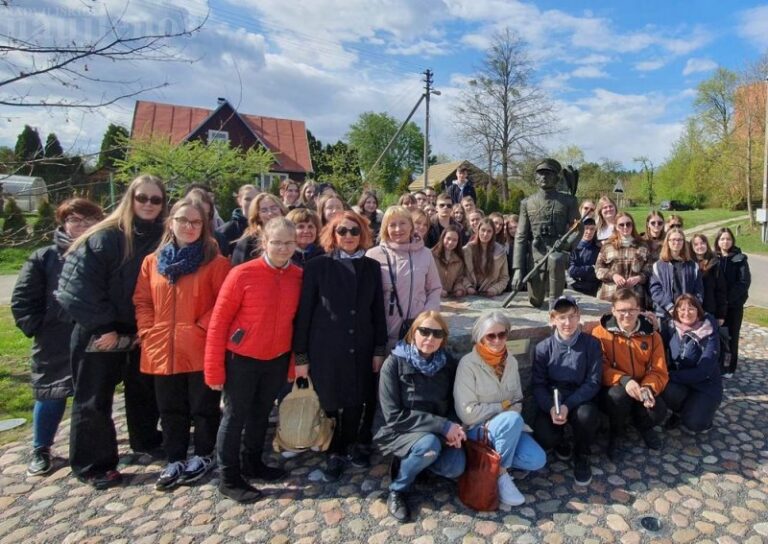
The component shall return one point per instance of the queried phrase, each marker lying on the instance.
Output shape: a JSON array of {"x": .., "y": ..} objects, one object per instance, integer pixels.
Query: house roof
[
  {"x": 438, "y": 173},
  {"x": 286, "y": 138}
]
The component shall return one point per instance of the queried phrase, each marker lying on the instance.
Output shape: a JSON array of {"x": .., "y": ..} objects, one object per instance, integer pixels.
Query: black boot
[
  {"x": 398, "y": 506},
  {"x": 239, "y": 490}
]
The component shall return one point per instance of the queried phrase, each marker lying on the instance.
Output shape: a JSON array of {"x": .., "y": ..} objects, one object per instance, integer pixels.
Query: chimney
[{"x": 220, "y": 100}]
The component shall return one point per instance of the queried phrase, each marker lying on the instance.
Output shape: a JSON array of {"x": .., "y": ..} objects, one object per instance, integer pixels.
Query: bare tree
[
  {"x": 77, "y": 62},
  {"x": 502, "y": 109}
]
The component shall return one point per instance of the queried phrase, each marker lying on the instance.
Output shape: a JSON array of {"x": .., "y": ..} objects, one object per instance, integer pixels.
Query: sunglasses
[
  {"x": 493, "y": 336},
  {"x": 675, "y": 226},
  {"x": 656, "y": 223},
  {"x": 343, "y": 231},
  {"x": 624, "y": 225},
  {"x": 426, "y": 332},
  {"x": 143, "y": 199}
]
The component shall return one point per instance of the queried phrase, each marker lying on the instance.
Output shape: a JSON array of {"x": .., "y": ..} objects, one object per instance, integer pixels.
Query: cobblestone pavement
[{"x": 712, "y": 488}]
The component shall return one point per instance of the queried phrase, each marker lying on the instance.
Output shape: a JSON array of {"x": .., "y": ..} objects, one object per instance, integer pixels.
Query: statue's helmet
[{"x": 549, "y": 164}]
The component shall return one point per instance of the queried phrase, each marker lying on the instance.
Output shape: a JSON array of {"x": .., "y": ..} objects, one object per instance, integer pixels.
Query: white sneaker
[{"x": 508, "y": 492}]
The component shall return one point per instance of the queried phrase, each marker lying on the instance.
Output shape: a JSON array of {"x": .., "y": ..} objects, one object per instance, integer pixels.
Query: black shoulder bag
[{"x": 394, "y": 300}]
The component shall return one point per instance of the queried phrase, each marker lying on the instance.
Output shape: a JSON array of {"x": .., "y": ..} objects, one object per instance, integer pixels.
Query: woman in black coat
[
  {"x": 340, "y": 333},
  {"x": 715, "y": 289},
  {"x": 96, "y": 289},
  {"x": 39, "y": 316},
  {"x": 415, "y": 421}
]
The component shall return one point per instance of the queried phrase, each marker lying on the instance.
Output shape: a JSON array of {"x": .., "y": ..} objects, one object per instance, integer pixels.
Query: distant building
[
  {"x": 285, "y": 138},
  {"x": 28, "y": 191},
  {"x": 442, "y": 175}
]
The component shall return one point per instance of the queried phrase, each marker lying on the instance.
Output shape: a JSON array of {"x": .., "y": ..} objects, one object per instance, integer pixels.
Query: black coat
[
  {"x": 246, "y": 248},
  {"x": 231, "y": 231},
  {"x": 96, "y": 286},
  {"x": 412, "y": 404},
  {"x": 735, "y": 268},
  {"x": 301, "y": 258},
  {"x": 339, "y": 326},
  {"x": 38, "y": 315},
  {"x": 715, "y": 290}
]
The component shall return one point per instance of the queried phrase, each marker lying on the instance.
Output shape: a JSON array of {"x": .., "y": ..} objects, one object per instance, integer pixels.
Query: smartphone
[
  {"x": 237, "y": 336},
  {"x": 556, "y": 395}
]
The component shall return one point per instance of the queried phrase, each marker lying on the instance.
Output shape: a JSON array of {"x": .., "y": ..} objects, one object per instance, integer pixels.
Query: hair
[
  {"x": 463, "y": 168},
  {"x": 122, "y": 217},
  {"x": 323, "y": 202},
  {"x": 303, "y": 192},
  {"x": 287, "y": 182},
  {"x": 625, "y": 293},
  {"x": 328, "y": 234},
  {"x": 512, "y": 217},
  {"x": 693, "y": 301},
  {"x": 429, "y": 189},
  {"x": 274, "y": 225},
  {"x": 210, "y": 247},
  {"x": 255, "y": 224},
  {"x": 583, "y": 202},
  {"x": 488, "y": 320},
  {"x": 201, "y": 195},
  {"x": 615, "y": 238},
  {"x": 244, "y": 188},
  {"x": 719, "y": 233},
  {"x": 469, "y": 199},
  {"x": 79, "y": 206},
  {"x": 482, "y": 257},
  {"x": 463, "y": 215},
  {"x": 651, "y": 215},
  {"x": 601, "y": 222},
  {"x": 500, "y": 237},
  {"x": 439, "y": 250},
  {"x": 406, "y": 199},
  {"x": 445, "y": 197},
  {"x": 199, "y": 186},
  {"x": 675, "y": 218},
  {"x": 304, "y": 215},
  {"x": 666, "y": 253},
  {"x": 420, "y": 214},
  {"x": 477, "y": 210},
  {"x": 364, "y": 196},
  {"x": 421, "y": 318},
  {"x": 706, "y": 260},
  {"x": 391, "y": 213},
  {"x": 422, "y": 193}
]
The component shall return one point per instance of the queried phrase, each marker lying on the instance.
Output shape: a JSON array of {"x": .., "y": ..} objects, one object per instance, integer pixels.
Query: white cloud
[
  {"x": 752, "y": 26},
  {"x": 650, "y": 65},
  {"x": 589, "y": 72},
  {"x": 695, "y": 65}
]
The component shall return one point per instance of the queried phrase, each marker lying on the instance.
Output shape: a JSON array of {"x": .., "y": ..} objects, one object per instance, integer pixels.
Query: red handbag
[{"x": 478, "y": 485}]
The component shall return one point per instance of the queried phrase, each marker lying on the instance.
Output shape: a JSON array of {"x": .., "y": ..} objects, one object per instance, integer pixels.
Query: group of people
[{"x": 190, "y": 316}]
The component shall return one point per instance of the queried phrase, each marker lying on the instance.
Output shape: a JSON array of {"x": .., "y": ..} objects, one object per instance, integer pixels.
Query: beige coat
[
  {"x": 495, "y": 283},
  {"x": 454, "y": 274},
  {"x": 478, "y": 393}
]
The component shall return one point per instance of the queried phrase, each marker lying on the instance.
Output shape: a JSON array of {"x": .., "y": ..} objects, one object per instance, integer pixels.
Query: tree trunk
[{"x": 749, "y": 178}]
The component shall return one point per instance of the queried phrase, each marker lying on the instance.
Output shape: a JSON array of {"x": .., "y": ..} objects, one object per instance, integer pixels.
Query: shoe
[
  {"x": 398, "y": 506},
  {"x": 169, "y": 477},
  {"x": 104, "y": 480},
  {"x": 673, "y": 422},
  {"x": 40, "y": 462},
  {"x": 287, "y": 454},
  {"x": 564, "y": 451},
  {"x": 651, "y": 439},
  {"x": 334, "y": 468},
  {"x": 359, "y": 456},
  {"x": 582, "y": 471},
  {"x": 239, "y": 491},
  {"x": 728, "y": 375},
  {"x": 508, "y": 492},
  {"x": 261, "y": 471},
  {"x": 196, "y": 468},
  {"x": 612, "y": 449}
]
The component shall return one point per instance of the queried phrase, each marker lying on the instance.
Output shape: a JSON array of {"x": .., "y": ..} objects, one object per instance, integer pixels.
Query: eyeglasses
[
  {"x": 280, "y": 245},
  {"x": 343, "y": 231},
  {"x": 493, "y": 336},
  {"x": 80, "y": 221},
  {"x": 426, "y": 332},
  {"x": 186, "y": 223},
  {"x": 656, "y": 223},
  {"x": 270, "y": 209},
  {"x": 444, "y": 205},
  {"x": 624, "y": 225},
  {"x": 676, "y": 240},
  {"x": 141, "y": 198},
  {"x": 626, "y": 311}
]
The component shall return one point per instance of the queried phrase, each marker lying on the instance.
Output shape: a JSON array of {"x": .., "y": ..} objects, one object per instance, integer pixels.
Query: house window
[
  {"x": 218, "y": 136},
  {"x": 266, "y": 180}
]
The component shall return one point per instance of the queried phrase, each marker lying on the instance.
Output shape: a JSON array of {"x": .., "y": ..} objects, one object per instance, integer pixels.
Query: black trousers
[
  {"x": 733, "y": 320},
  {"x": 347, "y": 431},
  {"x": 584, "y": 421},
  {"x": 181, "y": 399},
  {"x": 696, "y": 409},
  {"x": 366, "y": 428},
  {"x": 619, "y": 407},
  {"x": 250, "y": 391},
  {"x": 93, "y": 440}
]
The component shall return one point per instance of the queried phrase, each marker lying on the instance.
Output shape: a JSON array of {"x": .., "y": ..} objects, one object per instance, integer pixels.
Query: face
[
  {"x": 687, "y": 314},
  {"x": 268, "y": 209},
  {"x": 444, "y": 209},
  {"x": 624, "y": 226},
  {"x": 725, "y": 242},
  {"x": 676, "y": 242},
  {"x": 430, "y": 210},
  {"x": 474, "y": 219},
  {"x": 468, "y": 206},
  {"x": 425, "y": 338},
  {"x": 187, "y": 226},
  {"x": 587, "y": 208},
  {"x": 370, "y": 205},
  {"x": 655, "y": 226},
  {"x": 148, "y": 210},
  {"x": 511, "y": 228},
  {"x": 309, "y": 193},
  {"x": 333, "y": 207},
  {"x": 348, "y": 236},
  {"x": 244, "y": 200},
  {"x": 280, "y": 246},
  {"x": 76, "y": 224},
  {"x": 290, "y": 194},
  {"x": 495, "y": 338},
  {"x": 498, "y": 224},
  {"x": 306, "y": 233},
  {"x": 462, "y": 176},
  {"x": 421, "y": 227},
  {"x": 421, "y": 200},
  {"x": 608, "y": 211},
  {"x": 589, "y": 232},
  {"x": 458, "y": 214},
  {"x": 485, "y": 234},
  {"x": 399, "y": 230},
  {"x": 431, "y": 196},
  {"x": 546, "y": 179},
  {"x": 699, "y": 246},
  {"x": 411, "y": 205},
  {"x": 626, "y": 312},
  {"x": 450, "y": 240},
  {"x": 567, "y": 323}
]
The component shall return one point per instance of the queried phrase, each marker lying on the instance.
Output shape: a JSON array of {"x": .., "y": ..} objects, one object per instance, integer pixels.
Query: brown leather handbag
[{"x": 478, "y": 485}]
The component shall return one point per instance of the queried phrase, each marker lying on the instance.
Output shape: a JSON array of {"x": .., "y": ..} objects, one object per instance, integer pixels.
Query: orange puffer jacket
[{"x": 172, "y": 319}]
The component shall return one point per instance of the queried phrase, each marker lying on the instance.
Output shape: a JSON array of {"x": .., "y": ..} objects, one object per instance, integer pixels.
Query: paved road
[
  {"x": 758, "y": 291},
  {"x": 6, "y": 288}
]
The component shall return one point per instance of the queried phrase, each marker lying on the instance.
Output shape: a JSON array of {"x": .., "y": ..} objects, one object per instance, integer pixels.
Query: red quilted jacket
[{"x": 260, "y": 301}]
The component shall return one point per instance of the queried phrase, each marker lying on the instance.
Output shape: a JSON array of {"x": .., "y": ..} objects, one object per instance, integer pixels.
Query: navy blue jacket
[
  {"x": 230, "y": 232},
  {"x": 575, "y": 371},
  {"x": 458, "y": 193},
  {"x": 693, "y": 361},
  {"x": 735, "y": 268},
  {"x": 581, "y": 267},
  {"x": 662, "y": 282}
]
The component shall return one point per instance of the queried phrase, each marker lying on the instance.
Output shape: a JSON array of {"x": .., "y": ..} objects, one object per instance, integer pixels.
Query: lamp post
[{"x": 428, "y": 91}]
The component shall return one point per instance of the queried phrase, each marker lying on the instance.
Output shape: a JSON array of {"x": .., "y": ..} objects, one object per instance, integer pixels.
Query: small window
[{"x": 218, "y": 136}]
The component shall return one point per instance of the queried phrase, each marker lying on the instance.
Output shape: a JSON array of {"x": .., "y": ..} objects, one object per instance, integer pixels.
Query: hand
[
  {"x": 517, "y": 278},
  {"x": 649, "y": 400},
  {"x": 653, "y": 318},
  {"x": 455, "y": 435},
  {"x": 633, "y": 390},
  {"x": 459, "y": 293},
  {"x": 561, "y": 419},
  {"x": 218, "y": 387},
  {"x": 378, "y": 362},
  {"x": 471, "y": 291},
  {"x": 302, "y": 371},
  {"x": 632, "y": 281},
  {"x": 720, "y": 322},
  {"x": 558, "y": 246},
  {"x": 106, "y": 341},
  {"x": 619, "y": 280}
]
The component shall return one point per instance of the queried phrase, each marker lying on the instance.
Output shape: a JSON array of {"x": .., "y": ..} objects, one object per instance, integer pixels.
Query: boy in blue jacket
[
  {"x": 581, "y": 267},
  {"x": 567, "y": 372}
]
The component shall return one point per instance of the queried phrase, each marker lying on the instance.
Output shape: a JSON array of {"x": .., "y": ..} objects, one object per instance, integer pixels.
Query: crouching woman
[{"x": 415, "y": 420}]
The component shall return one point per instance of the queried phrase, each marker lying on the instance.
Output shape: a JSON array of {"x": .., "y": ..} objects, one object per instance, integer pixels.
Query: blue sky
[{"x": 621, "y": 74}]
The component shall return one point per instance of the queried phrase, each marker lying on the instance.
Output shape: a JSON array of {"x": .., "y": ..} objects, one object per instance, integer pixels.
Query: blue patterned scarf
[
  {"x": 428, "y": 367},
  {"x": 173, "y": 262}
]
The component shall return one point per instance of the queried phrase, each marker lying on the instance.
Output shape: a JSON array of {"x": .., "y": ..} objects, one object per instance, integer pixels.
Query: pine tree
[
  {"x": 45, "y": 223},
  {"x": 112, "y": 146},
  {"x": 53, "y": 146},
  {"x": 15, "y": 226},
  {"x": 29, "y": 148}
]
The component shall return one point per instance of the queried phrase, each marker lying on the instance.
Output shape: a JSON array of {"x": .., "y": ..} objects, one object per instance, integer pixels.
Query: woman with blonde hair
[
  {"x": 95, "y": 290},
  {"x": 308, "y": 194},
  {"x": 330, "y": 205},
  {"x": 263, "y": 208},
  {"x": 606, "y": 218},
  {"x": 674, "y": 274}
]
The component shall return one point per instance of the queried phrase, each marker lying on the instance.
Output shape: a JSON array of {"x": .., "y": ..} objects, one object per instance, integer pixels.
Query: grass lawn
[
  {"x": 12, "y": 258},
  {"x": 749, "y": 239},
  {"x": 691, "y": 218},
  {"x": 15, "y": 393},
  {"x": 756, "y": 315}
]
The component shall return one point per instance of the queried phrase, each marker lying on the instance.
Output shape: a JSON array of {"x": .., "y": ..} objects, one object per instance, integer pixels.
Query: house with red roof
[{"x": 285, "y": 138}]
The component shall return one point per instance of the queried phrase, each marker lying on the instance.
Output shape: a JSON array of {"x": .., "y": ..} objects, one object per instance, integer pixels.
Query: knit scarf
[
  {"x": 427, "y": 366},
  {"x": 496, "y": 360},
  {"x": 174, "y": 262}
]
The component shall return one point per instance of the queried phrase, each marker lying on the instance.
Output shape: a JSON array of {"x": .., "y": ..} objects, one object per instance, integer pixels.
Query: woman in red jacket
[
  {"x": 174, "y": 297},
  {"x": 247, "y": 352}
]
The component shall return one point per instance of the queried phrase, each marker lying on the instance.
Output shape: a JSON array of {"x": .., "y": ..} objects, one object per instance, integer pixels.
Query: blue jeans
[
  {"x": 516, "y": 448},
  {"x": 428, "y": 453},
  {"x": 46, "y": 416}
]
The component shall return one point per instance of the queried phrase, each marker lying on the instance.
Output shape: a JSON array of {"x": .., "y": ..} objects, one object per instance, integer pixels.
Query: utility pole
[
  {"x": 765, "y": 169},
  {"x": 427, "y": 92}
]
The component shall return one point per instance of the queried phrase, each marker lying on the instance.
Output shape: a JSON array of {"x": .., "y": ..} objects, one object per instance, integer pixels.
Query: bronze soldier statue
[{"x": 545, "y": 217}]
